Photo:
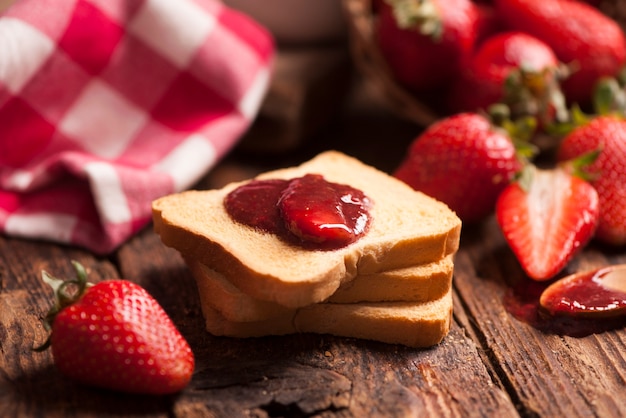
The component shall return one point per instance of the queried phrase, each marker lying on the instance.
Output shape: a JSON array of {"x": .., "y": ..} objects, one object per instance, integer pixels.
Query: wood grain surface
[{"x": 492, "y": 364}]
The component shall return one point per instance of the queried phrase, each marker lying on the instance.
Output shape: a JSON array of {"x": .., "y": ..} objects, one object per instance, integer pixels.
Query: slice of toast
[
  {"x": 407, "y": 323},
  {"x": 410, "y": 284},
  {"x": 407, "y": 228},
  {"x": 216, "y": 291}
]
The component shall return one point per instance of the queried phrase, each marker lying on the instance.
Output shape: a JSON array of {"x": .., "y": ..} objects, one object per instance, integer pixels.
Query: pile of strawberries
[{"x": 505, "y": 73}]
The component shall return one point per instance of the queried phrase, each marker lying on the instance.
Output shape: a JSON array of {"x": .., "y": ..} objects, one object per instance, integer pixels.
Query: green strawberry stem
[
  {"x": 421, "y": 15},
  {"x": 66, "y": 293},
  {"x": 609, "y": 98},
  {"x": 577, "y": 118},
  {"x": 520, "y": 130},
  {"x": 579, "y": 166},
  {"x": 531, "y": 92}
]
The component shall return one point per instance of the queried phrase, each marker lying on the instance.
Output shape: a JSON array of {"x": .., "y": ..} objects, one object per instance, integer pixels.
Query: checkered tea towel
[{"x": 106, "y": 105}]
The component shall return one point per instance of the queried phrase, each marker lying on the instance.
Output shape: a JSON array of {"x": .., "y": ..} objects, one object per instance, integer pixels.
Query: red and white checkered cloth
[{"x": 106, "y": 105}]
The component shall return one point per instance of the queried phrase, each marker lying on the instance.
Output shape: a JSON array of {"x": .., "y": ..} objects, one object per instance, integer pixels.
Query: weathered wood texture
[
  {"x": 300, "y": 375},
  {"x": 490, "y": 365}
]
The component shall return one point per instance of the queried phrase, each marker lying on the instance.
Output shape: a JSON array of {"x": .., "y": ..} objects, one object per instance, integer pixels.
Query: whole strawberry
[
  {"x": 114, "y": 335},
  {"x": 512, "y": 68},
  {"x": 464, "y": 161},
  {"x": 580, "y": 35},
  {"x": 426, "y": 43},
  {"x": 547, "y": 217},
  {"x": 607, "y": 173}
]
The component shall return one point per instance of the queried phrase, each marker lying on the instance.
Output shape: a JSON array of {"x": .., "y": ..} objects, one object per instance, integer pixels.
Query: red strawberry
[
  {"x": 607, "y": 172},
  {"x": 516, "y": 69},
  {"x": 546, "y": 218},
  {"x": 462, "y": 160},
  {"x": 579, "y": 34},
  {"x": 114, "y": 335},
  {"x": 426, "y": 43}
]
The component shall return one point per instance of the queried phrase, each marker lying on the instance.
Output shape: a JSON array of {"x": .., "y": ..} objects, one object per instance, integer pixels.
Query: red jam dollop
[{"x": 308, "y": 210}]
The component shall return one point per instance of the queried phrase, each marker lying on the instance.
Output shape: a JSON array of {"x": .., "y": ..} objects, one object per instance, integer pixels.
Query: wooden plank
[{"x": 548, "y": 373}]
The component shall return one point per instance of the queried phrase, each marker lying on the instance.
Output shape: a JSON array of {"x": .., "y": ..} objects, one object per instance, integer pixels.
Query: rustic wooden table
[{"x": 492, "y": 364}]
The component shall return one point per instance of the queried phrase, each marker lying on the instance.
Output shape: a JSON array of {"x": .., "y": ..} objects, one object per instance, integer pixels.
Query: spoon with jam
[{"x": 600, "y": 293}]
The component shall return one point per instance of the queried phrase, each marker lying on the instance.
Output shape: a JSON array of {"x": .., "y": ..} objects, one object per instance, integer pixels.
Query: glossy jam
[
  {"x": 595, "y": 293},
  {"x": 308, "y": 210},
  {"x": 254, "y": 204},
  {"x": 523, "y": 302}
]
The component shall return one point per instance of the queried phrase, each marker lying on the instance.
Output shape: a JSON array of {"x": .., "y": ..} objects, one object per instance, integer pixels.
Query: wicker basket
[{"x": 369, "y": 61}]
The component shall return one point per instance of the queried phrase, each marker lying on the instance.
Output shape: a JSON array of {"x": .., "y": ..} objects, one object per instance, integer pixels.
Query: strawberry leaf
[
  {"x": 66, "y": 293},
  {"x": 577, "y": 118},
  {"x": 579, "y": 166},
  {"x": 421, "y": 15},
  {"x": 520, "y": 130},
  {"x": 609, "y": 97}
]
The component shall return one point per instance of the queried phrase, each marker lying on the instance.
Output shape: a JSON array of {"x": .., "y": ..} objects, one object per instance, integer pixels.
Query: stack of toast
[{"x": 392, "y": 285}]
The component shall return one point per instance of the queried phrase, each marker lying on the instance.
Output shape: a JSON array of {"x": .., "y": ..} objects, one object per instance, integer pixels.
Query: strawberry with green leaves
[
  {"x": 582, "y": 37},
  {"x": 607, "y": 135},
  {"x": 114, "y": 335},
  {"x": 425, "y": 43},
  {"x": 465, "y": 161},
  {"x": 547, "y": 217},
  {"x": 516, "y": 69}
]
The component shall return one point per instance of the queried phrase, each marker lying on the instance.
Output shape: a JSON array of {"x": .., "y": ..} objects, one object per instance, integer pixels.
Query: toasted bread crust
[
  {"x": 412, "y": 324},
  {"x": 412, "y": 284}
]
